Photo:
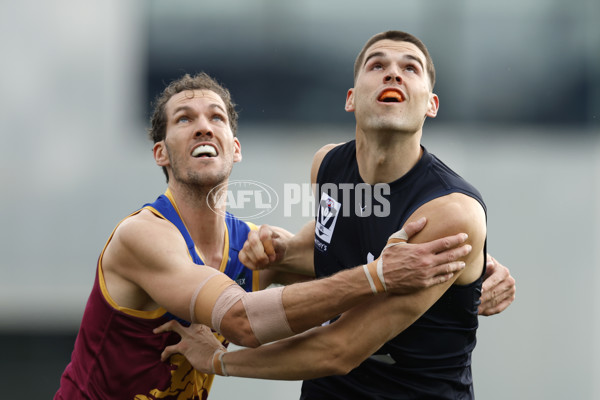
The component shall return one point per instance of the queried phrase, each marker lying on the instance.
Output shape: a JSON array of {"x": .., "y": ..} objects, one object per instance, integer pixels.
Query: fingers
[
  {"x": 415, "y": 227},
  {"x": 498, "y": 288},
  {"x": 169, "y": 351},
  {"x": 491, "y": 307},
  {"x": 171, "y": 326},
  {"x": 260, "y": 248},
  {"x": 448, "y": 242},
  {"x": 448, "y": 270},
  {"x": 269, "y": 248},
  {"x": 253, "y": 252},
  {"x": 266, "y": 234},
  {"x": 498, "y": 282},
  {"x": 500, "y": 294},
  {"x": 451, "y": 255},
  {"x": 445, "y": 272}
]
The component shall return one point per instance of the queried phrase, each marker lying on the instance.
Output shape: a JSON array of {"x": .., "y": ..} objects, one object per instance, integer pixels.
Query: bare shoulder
[
  {"x": 318, "y": 158},
  {"x": 139, "y": 241},
  {"x": 452, "y": 214},
  {"x": 456, "y": 211}
]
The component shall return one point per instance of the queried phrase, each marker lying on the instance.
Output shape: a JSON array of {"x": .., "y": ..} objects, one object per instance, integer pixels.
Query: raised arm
[{"x": 339, "y": 347}]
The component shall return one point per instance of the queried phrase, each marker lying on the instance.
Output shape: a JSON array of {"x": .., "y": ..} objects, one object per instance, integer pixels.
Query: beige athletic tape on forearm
[
  {"x": 400, "y": 235},
  {"x": 266, "y": 315},
  {"x": 206, "y": 295},
  {"x": 376, "y": 283},
  {"x": 264, "y": 310},
  {"x": 231, "y": 295},
  {"x": 374, "y": 272}
]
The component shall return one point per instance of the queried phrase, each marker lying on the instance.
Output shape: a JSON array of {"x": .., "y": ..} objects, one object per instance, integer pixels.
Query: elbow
[
  {"x": 337, "y": 359},
  {"x": 343, "y": 364},
  {"x": 248, "y": 341},
  {"x": 247, "y": 338},
  {"x": 241, "y": 336},
  {"x": 237, "y": 329}
]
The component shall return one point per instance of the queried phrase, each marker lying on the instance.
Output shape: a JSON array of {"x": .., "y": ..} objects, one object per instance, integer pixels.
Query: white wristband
[{"x": 223, "y": 369}]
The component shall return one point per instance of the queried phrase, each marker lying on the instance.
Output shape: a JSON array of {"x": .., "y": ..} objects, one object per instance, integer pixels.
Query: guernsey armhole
[
  {"x": 152, "y": 314},
  {"x": 225, "y": 255}
]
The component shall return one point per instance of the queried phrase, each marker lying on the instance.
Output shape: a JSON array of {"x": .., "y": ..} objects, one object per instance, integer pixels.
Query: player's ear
[
  {"x": 237, "y": 150},
  {"x": 350, "y": 100},
  {"x": 161, "y": 155},
  {"x": 433, "y": 105}
]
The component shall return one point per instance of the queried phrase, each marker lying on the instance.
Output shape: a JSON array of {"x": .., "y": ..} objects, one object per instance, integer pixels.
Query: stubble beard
[{"x": 198, "y": 185}]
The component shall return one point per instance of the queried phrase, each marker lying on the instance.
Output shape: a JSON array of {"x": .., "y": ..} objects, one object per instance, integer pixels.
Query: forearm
[
  {"x": 305, "y": 305},
  {"x": 325, "y": 350},
  {"x": 297, "y": 358},
  {"x": 251, "y": 319},
  {"x": 311, "y": 303},
  {"x": 333, "y": 349}
]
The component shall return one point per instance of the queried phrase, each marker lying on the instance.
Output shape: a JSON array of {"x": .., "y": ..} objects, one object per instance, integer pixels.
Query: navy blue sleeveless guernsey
[{"x": 432, "y": 358}]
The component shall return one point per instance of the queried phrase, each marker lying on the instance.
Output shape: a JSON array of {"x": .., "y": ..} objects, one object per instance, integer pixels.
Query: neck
[
  {"x": 205, "y": 225},
  {"x": 384, "y": 157}
]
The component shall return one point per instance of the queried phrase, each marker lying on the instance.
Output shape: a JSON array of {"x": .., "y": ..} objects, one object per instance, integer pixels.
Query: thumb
[
  {"x": 269, "y": 246},
  {"x": 168, "y": 352}
]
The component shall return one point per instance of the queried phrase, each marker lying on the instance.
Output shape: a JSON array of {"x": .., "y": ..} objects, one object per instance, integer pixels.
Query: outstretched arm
[
  {"x": 325, "y": 350},
  {"x": 148, "y": 255}
]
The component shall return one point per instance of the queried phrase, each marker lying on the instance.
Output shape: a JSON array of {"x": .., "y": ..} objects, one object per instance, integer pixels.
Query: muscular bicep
[{"x": 452, "y": 214}]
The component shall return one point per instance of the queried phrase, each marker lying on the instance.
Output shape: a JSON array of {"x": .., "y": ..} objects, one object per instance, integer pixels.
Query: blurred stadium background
[{"x": 519, "y": 84}]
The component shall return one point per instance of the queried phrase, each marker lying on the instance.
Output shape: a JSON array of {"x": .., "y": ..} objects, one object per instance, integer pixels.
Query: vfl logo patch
[{"x": 328, "y": 212}]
